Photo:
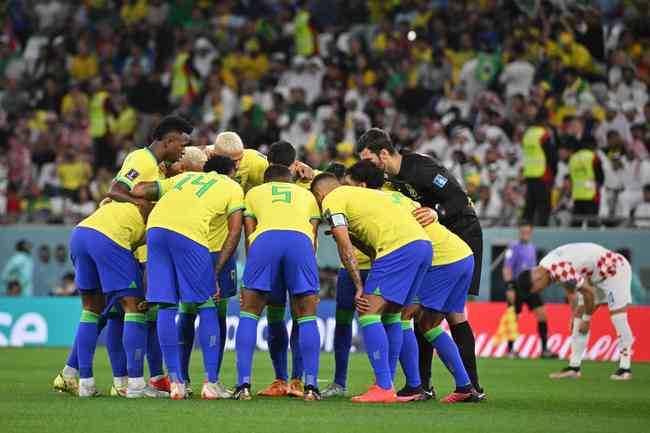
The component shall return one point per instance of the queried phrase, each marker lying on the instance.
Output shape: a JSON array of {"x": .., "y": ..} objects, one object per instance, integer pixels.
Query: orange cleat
[
  {"x": 279, "y": 388},
  {"x": 376, "y": 395},
  {"x": 461, "y": 397},
  {"x": 161, "y": 384},
  {"x": 295, "y": 388}
]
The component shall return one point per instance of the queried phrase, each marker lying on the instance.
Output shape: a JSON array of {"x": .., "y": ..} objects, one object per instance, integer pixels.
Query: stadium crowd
[{"x": 466, "y": 81}]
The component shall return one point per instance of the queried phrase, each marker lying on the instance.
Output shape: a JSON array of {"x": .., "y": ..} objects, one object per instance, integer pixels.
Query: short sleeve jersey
[
  {"x": 190, "y": 201},
  {"x": 373, "y": 217},
  {"x": 281, "y": 206}
]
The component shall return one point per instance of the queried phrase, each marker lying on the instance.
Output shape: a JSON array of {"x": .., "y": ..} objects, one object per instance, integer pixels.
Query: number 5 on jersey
[{"x": 281, "y": 194}]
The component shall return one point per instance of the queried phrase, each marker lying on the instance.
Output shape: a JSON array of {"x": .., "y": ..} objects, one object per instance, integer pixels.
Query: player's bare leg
[
  {"x": 252, "y": 304},
  {"x": 309, "y": 342}
]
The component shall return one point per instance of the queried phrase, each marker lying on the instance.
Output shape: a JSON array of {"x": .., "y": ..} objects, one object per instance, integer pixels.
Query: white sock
[
  {"x": 70, "y": 372},
  {"x": 120, "y": 382},
  {"x": 578, "y": 344},
  {"x": 136, "y": 382},
  {"x": 625, "y": 339},
  {"x": 88, "y": 382}
]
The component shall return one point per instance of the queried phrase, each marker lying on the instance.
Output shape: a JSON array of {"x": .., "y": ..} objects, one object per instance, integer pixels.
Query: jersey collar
[{"x": 152, "y": 154}]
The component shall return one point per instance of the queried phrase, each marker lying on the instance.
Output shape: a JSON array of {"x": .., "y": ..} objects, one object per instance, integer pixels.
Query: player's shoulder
[
  {"x": 227, "y": 181},
  {"x": 253, "y": 156}
]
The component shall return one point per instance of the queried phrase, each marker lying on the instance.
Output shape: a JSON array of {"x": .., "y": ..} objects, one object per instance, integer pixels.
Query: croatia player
[
  {"x": 599, "y": 276},
  {"x": 281, "y": 223}
]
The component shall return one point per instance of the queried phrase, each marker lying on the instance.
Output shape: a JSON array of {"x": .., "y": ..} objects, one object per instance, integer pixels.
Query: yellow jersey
[
  {"x": 363, "y": 261},
  {"x": 251, "y": 169},
  {"x": 374, "y": 217},
  {"x": 74, "y": 174},
  {"x": 189, "y": 201},
  {"x": 121, "y": 222},
  {"x": 281, "y": 206},
  {"x": 139, "y": 166},
  {"x": 447, "y": 246},
  {"x": 306, "y": 183}
]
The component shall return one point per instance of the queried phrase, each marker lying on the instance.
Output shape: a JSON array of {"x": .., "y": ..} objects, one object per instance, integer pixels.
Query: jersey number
[
  {"x": 205, "y": 186},
  {"x": 282, "y": 193}
]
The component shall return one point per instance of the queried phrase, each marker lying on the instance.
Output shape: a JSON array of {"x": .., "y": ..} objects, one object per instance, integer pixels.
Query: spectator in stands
[
  {"x": 66, "y": 288},
  {"x": 641, "y": 213},
  {"x": 19, "y": 270},
  {"x": 73, "y": 172},
  {"x": 587, "y": 177}
]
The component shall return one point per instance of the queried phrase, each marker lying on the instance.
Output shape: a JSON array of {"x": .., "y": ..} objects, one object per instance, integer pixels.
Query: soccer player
[
  {"x": 591, "y": 275},
  {"x": 426, "y": 181},
  {"x": 443, "y": 290},
  {"x": 180, "y": 268},
  {"x": 227, "y": 281},
  {"x": 281, "y": 222},
  {"x": 521, "y": 256},
  {"x": 402, "y": 254},
  {"x": 250, "y": 164}
]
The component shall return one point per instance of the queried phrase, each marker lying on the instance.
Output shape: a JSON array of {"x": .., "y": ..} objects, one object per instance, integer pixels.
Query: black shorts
[
  {"x": 533, "y": 300},
  {"x": 468, "y": 228}
]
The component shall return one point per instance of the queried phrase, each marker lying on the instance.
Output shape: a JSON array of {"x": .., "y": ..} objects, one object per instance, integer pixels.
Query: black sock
[
  {"x": 425, "y": 358},
  {"x": 511, "y": 346},
  {"x": 464, "y": 338},
  {"x": 542, "y": 329}
]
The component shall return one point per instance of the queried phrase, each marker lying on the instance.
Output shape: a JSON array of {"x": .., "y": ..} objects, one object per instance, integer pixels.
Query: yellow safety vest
[
  {"x": 98, "y": 117},
  {"x": 583, "y": 178},
  {"x": 534, "y": 157}
]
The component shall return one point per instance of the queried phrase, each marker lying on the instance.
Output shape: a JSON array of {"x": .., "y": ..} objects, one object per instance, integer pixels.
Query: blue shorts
[
  {"x": 445, "y": 287},
  {"x": 228, "y": 275},
  {"x": 100, "y": 263},
  {"x": 345, "y": 289},
  {"x": 397, "y": 276},
  {"x": 178, "y": 269},
  {"x": 280, "y": 261}
]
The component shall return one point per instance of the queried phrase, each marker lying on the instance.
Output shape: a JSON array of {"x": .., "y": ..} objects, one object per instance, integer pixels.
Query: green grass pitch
[{"x": 521, "y": 399}]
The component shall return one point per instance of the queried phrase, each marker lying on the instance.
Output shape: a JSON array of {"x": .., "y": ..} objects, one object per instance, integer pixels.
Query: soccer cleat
[
  {"x": 376, "y": 395},
  {"x": 481, "y": 395},
  {"x": 87, "y": 390},
  {"x": 242, "y": 392},
  {"x": 311, "y": 393},
  {"x": 566, "y": 373},
  {"x": 277, "y": 388},
  {"x": 547, "y": 354},
  {"x": 214, "y": 391},
  {"x": 118, "y": 391},
  {"x": 188, "y": 390},
  {"x": 334, "y": 390},
  {"x": 161, "y": 384},
  {"x": 67, "y": 384},
  {"x": 295, "y": 388},
  {"x": 178, "y": 391},
  {"x": 411, "y": 393},
  {"x": 622, "y": 374},
  {"x": 146, "y": 392},
  {"x": 462, "y": 397}
]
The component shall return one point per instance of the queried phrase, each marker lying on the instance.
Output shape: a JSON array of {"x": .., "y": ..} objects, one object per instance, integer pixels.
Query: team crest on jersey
[
  {"x": 440, "y": 181},
  {"x": 132, "y": 174}
]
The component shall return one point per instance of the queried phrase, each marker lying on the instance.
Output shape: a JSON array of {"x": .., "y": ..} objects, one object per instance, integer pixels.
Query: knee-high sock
[
  {"x": 114, "y": 345},
  {"x": 245, "y": 345},
  {"x": 209, "y": 339},
  {"x": 72, "y": 363},
  {"x": 625, "y": 339},
  {"x": 223, "y": 331},
  {"x": 464, "y": 339},
  {"x": 408, "y": 357},
  {"x": 186, "y": 318},
  {"x": 449, "y": 355},
  {"x": 393, "y": 327},
  {"x": 542, "y": 330},
  {"x": 86, "y": 343},
  {"x": 342, "y": 345},
  {"x": 376, "y": 342},
  {"x": 309, "y": 341},
  {"x": 278, "y": 341},
  {"x": 425, "y": 357},
  {"x": 578, "y": 344},
  {"x": 134, "y": 340},
  {"x": 168, "y": 337},
  {"x": 297, "y": 364},
  {"x": 154, "y": 354}
]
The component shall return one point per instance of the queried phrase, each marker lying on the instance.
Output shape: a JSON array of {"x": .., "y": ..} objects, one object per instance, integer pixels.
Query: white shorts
[{"x": 615, "y": 291}]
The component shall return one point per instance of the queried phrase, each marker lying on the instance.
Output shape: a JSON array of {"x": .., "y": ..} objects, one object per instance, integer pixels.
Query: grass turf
[{"x": 521, "y": 399}]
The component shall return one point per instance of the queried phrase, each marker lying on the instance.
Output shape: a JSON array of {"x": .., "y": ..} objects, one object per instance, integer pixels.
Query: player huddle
[{"x": 188, "y": 207}]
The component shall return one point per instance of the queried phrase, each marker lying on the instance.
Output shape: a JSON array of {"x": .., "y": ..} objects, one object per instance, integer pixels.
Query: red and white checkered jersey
[{"x": 572, "y": 263}]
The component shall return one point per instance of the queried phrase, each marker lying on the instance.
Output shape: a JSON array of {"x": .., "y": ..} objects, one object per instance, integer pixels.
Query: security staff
[
  {"x": 587, "y": 176},
  {"x": 425, "y": 180}
]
